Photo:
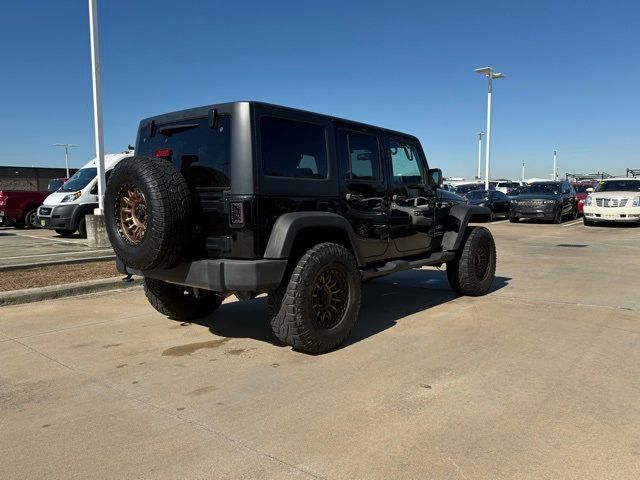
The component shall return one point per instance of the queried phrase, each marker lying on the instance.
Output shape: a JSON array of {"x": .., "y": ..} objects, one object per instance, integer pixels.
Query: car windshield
[
  {"x": 550, "y": 188},
  {"x": 478, "y": 195},
  {"x": 79, "y": 180},
  {"x": 619, "y": 186},
  {"x": 54, "y": 184},
  {"x": 464, "y": 189},
  {"x": 582, "y": 188}
]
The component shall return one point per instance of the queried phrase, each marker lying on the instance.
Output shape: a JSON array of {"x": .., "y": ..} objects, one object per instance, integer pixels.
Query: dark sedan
[
  {"x": 551, "y": 201},
  {"x": 496, "y": 201}
]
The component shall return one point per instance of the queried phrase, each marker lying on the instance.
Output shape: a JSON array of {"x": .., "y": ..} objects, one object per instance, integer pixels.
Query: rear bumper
[{"x": 224, "y": 275}]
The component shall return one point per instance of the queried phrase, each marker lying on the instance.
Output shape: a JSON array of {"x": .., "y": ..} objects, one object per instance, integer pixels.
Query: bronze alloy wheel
[
  {"x": 329, "y": 297},
  {"x": 131, "y": 211}
]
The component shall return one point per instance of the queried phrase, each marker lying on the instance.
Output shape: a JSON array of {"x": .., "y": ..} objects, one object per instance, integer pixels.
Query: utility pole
[
  {"x": 490, "y": 74},
  {"x": 97, "y": 101},
  {"x": 478, "y": 177},
  {"x": 66, "y": 146}
]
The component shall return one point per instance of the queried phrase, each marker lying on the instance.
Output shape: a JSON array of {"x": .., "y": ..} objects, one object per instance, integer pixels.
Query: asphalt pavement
[
  {"x": 29, "y": 246},
  {"x": 537, "y": 380}
]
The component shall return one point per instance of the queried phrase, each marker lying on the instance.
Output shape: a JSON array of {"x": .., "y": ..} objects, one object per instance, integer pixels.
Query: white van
[{"x": 65, "y": 209}]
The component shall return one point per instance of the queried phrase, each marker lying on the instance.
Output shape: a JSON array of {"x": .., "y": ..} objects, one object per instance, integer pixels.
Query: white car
[{"x": 614, "y": 200}]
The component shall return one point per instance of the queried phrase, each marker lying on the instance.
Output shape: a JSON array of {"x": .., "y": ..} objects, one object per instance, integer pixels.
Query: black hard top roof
[{"x": 204, "y": 110}]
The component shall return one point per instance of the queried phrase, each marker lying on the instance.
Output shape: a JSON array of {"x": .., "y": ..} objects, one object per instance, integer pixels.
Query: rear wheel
[
  {"x": 317, "y": 309},
  {"x": 473, "y": 271},
  {"x": 180, "y": 302},
  {"x": 64, "y": 233}
]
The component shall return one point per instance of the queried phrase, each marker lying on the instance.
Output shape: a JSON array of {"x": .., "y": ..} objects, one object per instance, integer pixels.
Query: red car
[{"x": 582, "y": 194}]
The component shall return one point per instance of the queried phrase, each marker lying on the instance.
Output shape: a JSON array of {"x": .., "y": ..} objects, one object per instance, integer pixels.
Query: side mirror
[
  {"x": 435, "y": 177},
  {"x": 590, "y": 190}
]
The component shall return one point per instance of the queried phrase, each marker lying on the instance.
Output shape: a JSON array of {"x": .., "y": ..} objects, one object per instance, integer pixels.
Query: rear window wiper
[{"x": 180, "y": 127}]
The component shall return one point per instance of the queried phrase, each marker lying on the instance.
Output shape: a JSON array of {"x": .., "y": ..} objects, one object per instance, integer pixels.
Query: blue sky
[{"x": 573, "y": 71}]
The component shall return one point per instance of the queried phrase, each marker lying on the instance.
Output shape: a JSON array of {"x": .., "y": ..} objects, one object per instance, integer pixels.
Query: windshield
[
  {"x": 79, "y": 180},
  {"x": 619, "y": 186},
  {"x": 478, "y": 195},
  {"x": 582, "y": 188},
  {"x": 464, "y": 189},
  {"x": 550, "y": 188},
  {"x": 54, "y": 184}
]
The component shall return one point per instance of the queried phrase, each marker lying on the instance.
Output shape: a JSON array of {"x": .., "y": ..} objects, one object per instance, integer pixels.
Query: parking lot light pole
[
  {"x": 97, "y": 101},
  {"x": 66, "y": 146},
  {"x": 555, "y": 167},
  {"x": 491, "y": 75},
  {"x": 479, "y": 176},
  {"x": 522, "y": 172}
]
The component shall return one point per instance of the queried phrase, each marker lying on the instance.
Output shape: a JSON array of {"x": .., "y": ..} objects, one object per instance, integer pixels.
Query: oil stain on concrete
[{"x": 189, "y": 348}]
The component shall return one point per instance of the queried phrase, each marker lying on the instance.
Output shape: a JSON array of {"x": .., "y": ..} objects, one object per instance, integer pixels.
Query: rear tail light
[{"x": 164, "y": 153}]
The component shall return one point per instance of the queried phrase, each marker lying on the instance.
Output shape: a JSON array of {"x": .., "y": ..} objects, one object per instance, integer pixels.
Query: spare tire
[{"x": 147, "y": 207}]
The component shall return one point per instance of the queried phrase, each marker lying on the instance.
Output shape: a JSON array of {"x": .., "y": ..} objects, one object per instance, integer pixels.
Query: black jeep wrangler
[{"x": 246, "y": 197}]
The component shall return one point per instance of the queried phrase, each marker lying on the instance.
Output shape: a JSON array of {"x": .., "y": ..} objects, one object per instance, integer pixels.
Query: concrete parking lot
[
  {"x": 41, "y": 246},
  {"x": 537, "y": 380}
]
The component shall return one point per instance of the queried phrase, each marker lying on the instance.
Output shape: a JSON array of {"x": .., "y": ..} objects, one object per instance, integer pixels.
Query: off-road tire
[
  {"x": 64, "y": 233},
  {"x": 82, "y": 227},
  {"x": 178, "y": 302},
  {"x": 588, "y": 223},
  {"x": 168, "y": 213},
  {"x": 30, "y": 219},
  {"x": 514, "y": 219},
  {"x": 291, "y": 306},
  {"x": 466, "y": 276}
]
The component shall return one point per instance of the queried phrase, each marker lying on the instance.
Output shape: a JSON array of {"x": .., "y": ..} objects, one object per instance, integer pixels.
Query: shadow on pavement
[{"x": 384, "y": 302}]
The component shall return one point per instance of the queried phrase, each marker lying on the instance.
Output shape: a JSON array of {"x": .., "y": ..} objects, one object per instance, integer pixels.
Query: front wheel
[
  {"x": 31, "y": 219},
  {"x": 64, "y": 233},
  {"x": 574, "y": 214},
  {"x": 587, "y": 223},
  {"x": 514, "y": 219},
  {"x": 82, "y": 227},
  {"x": 557, "y": 219},
  {"x": 317, "y": 309},
  {"x": 474, "y": 268},
  {"x": 180, "y": 302}
]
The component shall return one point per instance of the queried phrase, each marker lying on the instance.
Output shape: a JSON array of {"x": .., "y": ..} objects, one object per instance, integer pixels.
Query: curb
[
  {"x": 53, "y": 263},
  {"x": 29, "y": 295}
]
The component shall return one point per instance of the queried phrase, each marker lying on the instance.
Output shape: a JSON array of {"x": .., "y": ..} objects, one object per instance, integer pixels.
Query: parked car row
[{"x": 63, "y": 206}]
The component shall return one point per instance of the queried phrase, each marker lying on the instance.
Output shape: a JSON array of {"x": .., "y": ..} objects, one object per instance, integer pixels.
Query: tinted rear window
[
  {"x": 293, "y": 149},
  {"x": 201, "y": 153}
]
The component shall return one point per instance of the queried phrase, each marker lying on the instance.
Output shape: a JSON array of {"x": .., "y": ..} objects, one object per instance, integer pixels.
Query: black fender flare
[
  {"x": 80, "y": 211},
  {"x": 288, "y": 225},
  {"x": 457, "y": 223}
]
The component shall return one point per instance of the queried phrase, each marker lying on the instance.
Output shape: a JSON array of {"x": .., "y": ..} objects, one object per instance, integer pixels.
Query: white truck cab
[
  {"x": 65, "y": 209},
  {"x": 614, "y": 200}
]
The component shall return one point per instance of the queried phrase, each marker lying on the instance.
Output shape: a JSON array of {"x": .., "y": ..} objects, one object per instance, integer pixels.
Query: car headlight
[
  {"x": 71, "y": 197},
  {"x": 587, "y": 202},
  {"x": 636, "y": 202}
]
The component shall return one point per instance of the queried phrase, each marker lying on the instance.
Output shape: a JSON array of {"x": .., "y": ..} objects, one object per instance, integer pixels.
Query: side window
[
  {"x": 406, "y": 164},
  {"x": 293, "y": 149},
  {"x": 362, "y": 161}
]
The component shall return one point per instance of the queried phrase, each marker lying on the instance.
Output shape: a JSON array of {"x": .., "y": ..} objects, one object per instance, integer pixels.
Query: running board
[{"x": 394, "y": 266}]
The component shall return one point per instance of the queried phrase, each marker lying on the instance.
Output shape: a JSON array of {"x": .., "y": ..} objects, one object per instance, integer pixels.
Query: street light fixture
[
  {"x": 66, "y": 146},
  {"x": 490, "y": 74}
]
